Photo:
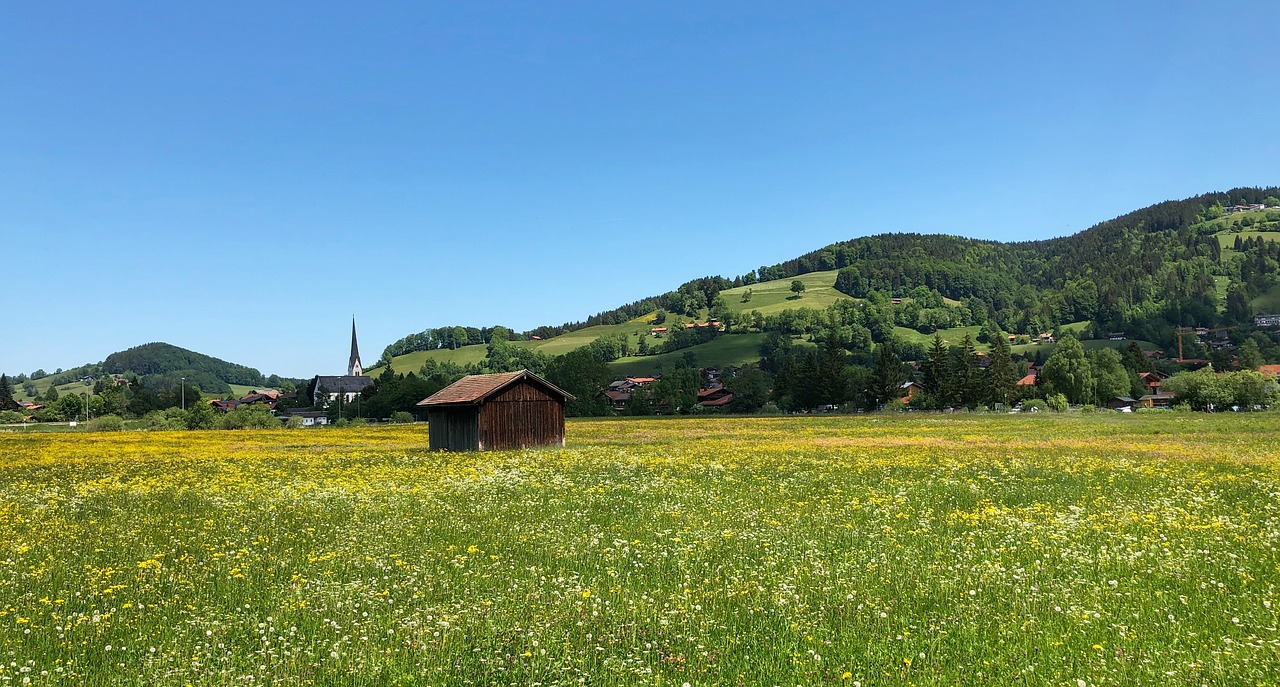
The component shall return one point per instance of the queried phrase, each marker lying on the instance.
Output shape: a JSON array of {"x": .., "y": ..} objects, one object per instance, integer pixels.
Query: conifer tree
[
  {"x": 887, "y": 377},
  {"x": 937, "y": 372},
  {"x": 1001, "y": 377},
  {"x": 967, "y": 374},
  {"x": 6, "y": 394}
]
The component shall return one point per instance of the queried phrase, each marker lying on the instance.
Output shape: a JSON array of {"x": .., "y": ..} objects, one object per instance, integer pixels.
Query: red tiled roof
[
  {"x": 641, "y": 380},
  {"x": 474, "y": 389},
  {"x": 1273, "y": 370},
  {"x": 1029, "y": 380},
  {"x": 618, "y": 396},
  {"x": 723, "y": 400}
]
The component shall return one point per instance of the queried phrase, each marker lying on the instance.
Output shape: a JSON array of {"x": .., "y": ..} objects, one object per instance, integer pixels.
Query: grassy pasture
[
  {"x": 886, "y": 550},
  {"x": 725, "y": 350},
  {"x": 776, "y": 296}
]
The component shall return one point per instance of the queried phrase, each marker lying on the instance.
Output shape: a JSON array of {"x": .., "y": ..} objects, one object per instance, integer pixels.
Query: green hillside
[
  {"x": 775, "y": 296},
  {"x": 1146, "y": 273},
  {"x": 737, "y": 349}
]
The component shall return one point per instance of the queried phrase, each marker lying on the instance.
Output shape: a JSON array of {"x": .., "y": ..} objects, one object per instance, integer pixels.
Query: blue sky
[{"x": 241, "y": 178}]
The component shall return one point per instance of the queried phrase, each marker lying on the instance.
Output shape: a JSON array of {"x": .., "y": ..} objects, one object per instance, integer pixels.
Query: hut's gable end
[
  {"x": 521, "y": 416},
  {"x": 523, "y": 392}
]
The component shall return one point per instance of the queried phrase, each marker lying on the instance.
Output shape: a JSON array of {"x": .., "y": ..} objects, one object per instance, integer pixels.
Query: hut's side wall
[
  {"x": 453, "y": 429},
  {"x": 523, "y": 415}
]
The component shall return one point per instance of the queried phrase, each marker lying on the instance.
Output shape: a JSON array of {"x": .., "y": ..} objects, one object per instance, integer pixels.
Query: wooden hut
[{"x": 509, "y": 410}]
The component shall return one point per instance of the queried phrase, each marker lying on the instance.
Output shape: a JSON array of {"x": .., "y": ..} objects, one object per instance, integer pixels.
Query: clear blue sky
[{"x": 240, "y": 178}]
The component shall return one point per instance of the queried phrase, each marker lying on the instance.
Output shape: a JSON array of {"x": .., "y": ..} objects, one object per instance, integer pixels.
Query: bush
[
  {"x": 249, "y": 417},
  {"x": 1057, "y": 402},
  {"x": 106, "y": 423},
  {"x": 294, "y": 422},
  {"x": 400, "y": 417},
  {"x": 9, "y": 417},
  {"x": 1034, "y": 405}
]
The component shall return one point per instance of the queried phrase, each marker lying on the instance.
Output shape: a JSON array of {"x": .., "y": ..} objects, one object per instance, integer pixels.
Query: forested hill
[
  {"x": 162, "y": 365},
  {"x": 1144, "y": 272}
]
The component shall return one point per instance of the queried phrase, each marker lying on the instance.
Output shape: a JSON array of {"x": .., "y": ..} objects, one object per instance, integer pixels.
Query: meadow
[{"x": 872, "y": 550}]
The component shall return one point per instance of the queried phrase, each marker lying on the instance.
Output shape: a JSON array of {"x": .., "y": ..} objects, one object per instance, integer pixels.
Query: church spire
[{"x": 354, "y": 369}]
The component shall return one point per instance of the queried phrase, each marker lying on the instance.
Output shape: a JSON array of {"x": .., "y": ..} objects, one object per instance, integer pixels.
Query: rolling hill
[{"x": 1147, "y": 272}]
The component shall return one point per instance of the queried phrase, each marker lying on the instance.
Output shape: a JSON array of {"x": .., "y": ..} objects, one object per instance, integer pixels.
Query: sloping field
[
  {"x": 776, "y": 296},
  {"x": 885, "y": 550},
  {"x": 723, "y": 351}
]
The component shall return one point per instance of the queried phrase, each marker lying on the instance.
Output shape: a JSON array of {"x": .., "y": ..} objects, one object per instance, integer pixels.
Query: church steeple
[{"x": 354, "y": 369}]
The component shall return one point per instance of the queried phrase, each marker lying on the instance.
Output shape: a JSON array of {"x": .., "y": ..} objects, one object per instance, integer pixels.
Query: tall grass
[{"x": 929, "y": 550}]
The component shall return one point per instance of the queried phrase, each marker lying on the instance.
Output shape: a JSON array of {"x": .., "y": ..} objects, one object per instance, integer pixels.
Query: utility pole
[{"x": 184, "y": 393}]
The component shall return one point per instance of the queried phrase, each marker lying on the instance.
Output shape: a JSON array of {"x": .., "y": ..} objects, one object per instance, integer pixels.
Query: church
[{"x": 324, "y": 389}]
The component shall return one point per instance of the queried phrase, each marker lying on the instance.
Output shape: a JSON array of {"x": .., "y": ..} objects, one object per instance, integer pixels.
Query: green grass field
[
  {"x": 1058, "y": 550},
  {"x": 776, "y": 296},
  {"x": 724, "y": 351},
  {"x": 559, "y": 345}
]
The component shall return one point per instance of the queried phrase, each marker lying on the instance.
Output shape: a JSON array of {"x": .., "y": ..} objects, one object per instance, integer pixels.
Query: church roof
[
  {"x": 339, "y": 384},
  {"x": 355, "y": 350}
]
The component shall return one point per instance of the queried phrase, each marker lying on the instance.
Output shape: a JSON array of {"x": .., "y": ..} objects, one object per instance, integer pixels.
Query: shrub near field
[{"x": 919, "y": 550}]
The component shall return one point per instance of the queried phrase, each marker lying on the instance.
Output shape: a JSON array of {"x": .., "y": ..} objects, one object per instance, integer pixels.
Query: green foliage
[
  {"x": 1250, "y": 355},
  {"x": 295, "y": 422},
  {"x": 1034, "y": 405},
  {"x": 1111, "y": 377},
  {"x": 9, "y": 417},
  {"x": 106, "y": 423},
  {"x": 254, "y": 416},
  {"x": 1056, "y": 402},
  {"x": 888, "y": 376},
  {"x": 1069, "y": 373},
  {"x": 391, "y": 393},
  {"x": 582, "y": 374},
  {"x": 399, "y": 417},
  {"x": 200, "y": 416},
  {"x": 160, "y": 365},
  {"x": 6, "y": 394},
  {"x": 1203, "y": 389}
]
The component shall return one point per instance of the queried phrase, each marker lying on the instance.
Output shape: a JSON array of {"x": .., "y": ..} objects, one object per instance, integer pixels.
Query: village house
[
  {"x": 1122, "y": 403},
  {"x": 1151, "y": 381},
  {"x": 618, "y": 400},
  {"x": 910, "y": 390},
  {"x": 714, "y": 397},
  {"x": 310, "y": 418},
  {"x": 1158, "y": 400},
  {"x": 1266, "y": 320}
]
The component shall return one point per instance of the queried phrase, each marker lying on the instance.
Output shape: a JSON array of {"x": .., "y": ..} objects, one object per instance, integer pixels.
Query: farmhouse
[
  {"x": 509, "y": 410},
  {"x": 1266, "y": 320},
  {"x": 715, "y": 397},
  {"x": 1158, "y": 400}
]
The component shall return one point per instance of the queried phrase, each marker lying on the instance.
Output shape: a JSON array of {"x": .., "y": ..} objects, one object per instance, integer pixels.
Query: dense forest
[{"x": 162, "y": 366}]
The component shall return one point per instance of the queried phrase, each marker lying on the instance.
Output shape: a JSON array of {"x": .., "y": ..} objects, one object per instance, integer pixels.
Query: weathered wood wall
[
  {"x": 454, "y": 429},
  {"x": 521, "y": 416}
]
